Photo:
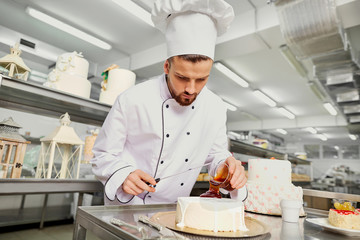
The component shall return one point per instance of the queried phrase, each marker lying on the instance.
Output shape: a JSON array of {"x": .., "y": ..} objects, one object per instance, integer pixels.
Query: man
[{"x": 172, "y": 123}]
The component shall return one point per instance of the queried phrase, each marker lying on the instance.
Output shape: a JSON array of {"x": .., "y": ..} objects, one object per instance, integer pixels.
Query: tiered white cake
[
  {"x": 70, "y": 75},
  {"x": 269, "y": 181},
  {"x": 211, "y": 214},
  {"x": 119, "y": 80}
]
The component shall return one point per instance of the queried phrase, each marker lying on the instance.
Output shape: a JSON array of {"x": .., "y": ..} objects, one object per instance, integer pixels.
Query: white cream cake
[
  {"x": 269, "y": 181},
  {"x": 211, "y": 214},
  {"x": 119, "y": 80},
  {"x": 70, "y": 75}
]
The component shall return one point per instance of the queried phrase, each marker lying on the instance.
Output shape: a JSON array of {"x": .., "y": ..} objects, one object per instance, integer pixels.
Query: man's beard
[{"x": 185, "y": 102}]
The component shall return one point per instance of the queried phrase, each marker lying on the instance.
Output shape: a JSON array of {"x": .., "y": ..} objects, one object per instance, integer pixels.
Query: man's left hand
[{"x": 237, "y": 172}]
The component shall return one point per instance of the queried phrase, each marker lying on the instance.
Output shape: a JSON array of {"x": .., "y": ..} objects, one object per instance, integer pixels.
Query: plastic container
[
  {"x": 290, "y": 209},
  {"x": 290, "y": 230}
]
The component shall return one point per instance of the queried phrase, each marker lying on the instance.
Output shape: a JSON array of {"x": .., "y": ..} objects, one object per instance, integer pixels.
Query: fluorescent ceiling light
[
  {"x": 260, "y": 95},
  {"x": 230, "y": 106},
  {"x": 291, "y": 59},
  {"x": 135, "y": 10},
  {"x": 352, "y": 137},
  {"x": 286, "y": 113},
  {"x": 330, "y": 109},
  {"x": 67, "y": 28},
  {"x": 282, "y": 131},
  {"x": 234, "y": 134},
  {"x": 311, "y": 130},
  {"x": 230, "y": 74},
  {"x": 322, "y": 137}
]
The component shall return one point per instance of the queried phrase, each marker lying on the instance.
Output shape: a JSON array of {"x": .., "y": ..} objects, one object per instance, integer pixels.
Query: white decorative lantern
[
  {"x": 62, "y": 145},
  {"x": 12, "y": 149},
  {"x": 14, "y": 64}
]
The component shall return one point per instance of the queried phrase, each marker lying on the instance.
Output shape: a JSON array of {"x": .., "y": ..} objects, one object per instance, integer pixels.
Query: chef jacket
[{"x": 147, "y": 129}]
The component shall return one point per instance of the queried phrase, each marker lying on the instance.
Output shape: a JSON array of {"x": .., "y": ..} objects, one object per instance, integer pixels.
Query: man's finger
[
  {"x": 148, "y": 179},
  {"x": 131, "y": 188},
  {"x": 135, "y": 183},
  {"x": 145, "y": 186},
  {"x": 239, "y": 170},
  {"x": 242, "y": 183},
  {"x": 237, "y": 181},
  {"x": 231, "y": 163}
]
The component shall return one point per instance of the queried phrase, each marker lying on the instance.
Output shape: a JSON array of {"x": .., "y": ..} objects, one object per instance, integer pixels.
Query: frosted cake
[
  {"x": 118, "y": 81},
  {"x": 211, "y": 214},
  {"x": 269, "y": 181},
  {"x": 70, "y": 75}
]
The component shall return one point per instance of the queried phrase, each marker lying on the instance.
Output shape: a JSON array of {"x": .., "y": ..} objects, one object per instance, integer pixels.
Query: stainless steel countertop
[{"x": 96, "y": 219}]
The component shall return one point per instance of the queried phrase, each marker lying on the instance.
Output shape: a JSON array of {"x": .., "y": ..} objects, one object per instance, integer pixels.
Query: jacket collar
[{"x": 164, "y": 89}]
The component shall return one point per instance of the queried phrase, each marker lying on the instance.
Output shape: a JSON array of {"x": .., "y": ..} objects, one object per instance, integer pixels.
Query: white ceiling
[{"x": 250, "y": 48}]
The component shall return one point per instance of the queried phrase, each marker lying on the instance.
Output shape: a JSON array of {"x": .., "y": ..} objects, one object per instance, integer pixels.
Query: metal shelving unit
[
  {"x": 34, "y": 98},
  {"x": 42, "y": 186},
  {"x": 37, "y": 99},
  {"x": 22, "y": 186},
  {"x": 251, "y": 150}
]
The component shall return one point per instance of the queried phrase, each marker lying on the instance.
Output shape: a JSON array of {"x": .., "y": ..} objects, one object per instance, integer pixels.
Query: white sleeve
[
  {"x": 108, "y": 163},
  {"x": 219, "y": 150}
]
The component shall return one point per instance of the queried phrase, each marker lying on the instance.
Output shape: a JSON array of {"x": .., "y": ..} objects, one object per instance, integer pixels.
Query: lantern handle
[{"x": 65, "y": 119}]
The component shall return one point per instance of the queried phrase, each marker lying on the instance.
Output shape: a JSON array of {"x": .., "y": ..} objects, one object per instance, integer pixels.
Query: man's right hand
[{"x": 136, "y": 183}]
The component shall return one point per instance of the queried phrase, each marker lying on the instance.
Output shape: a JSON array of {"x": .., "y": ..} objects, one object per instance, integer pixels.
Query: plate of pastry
[{"x": 324, "y": 222}]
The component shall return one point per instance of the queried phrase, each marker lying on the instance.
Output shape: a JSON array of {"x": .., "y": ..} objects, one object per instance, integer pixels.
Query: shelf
[
  {"x": 251, "y": 150},
  {"x": 20, "y": 186},
  {"x": 34, "y": 98}
]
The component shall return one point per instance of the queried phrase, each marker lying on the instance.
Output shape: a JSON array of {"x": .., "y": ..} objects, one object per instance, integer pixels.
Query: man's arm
[{"x": 111, "y": 165}]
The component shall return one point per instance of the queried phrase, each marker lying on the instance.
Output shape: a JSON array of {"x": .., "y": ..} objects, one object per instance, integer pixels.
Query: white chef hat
[{"x": 191, "y": 26}]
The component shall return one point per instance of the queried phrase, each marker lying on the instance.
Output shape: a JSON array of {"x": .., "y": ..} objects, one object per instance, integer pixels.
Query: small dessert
[{"x": 345, "y": 216}]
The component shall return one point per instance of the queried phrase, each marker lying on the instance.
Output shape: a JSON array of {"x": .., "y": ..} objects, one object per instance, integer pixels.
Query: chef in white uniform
[{"x": 171, "y": 123}]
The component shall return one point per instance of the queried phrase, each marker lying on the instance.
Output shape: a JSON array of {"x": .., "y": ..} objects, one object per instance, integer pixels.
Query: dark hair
[{"x": 194, "y": 58}]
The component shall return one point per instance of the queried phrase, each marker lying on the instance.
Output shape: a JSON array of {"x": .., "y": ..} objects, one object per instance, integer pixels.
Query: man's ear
[{"x": 166, "y": 67}]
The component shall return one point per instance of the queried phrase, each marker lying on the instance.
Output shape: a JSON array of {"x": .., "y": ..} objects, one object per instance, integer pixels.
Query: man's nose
[{"x": 190, "y": 87}]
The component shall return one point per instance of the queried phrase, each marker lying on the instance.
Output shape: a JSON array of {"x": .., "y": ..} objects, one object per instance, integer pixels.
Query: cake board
[
  {"x": 257, "y": 229},
  {"x": 272, "y": 215}
]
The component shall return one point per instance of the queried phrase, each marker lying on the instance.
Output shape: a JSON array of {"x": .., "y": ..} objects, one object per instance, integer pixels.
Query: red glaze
[
  {"x": 344, "y": 212},
  {"x": 213, "y": 191},
  {"x": 211, "y": 194},
  {"x": 220, "y": 181}
]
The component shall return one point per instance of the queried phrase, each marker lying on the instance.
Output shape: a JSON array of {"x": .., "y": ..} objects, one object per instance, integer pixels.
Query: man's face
[{"x": 186, "y": 79}]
